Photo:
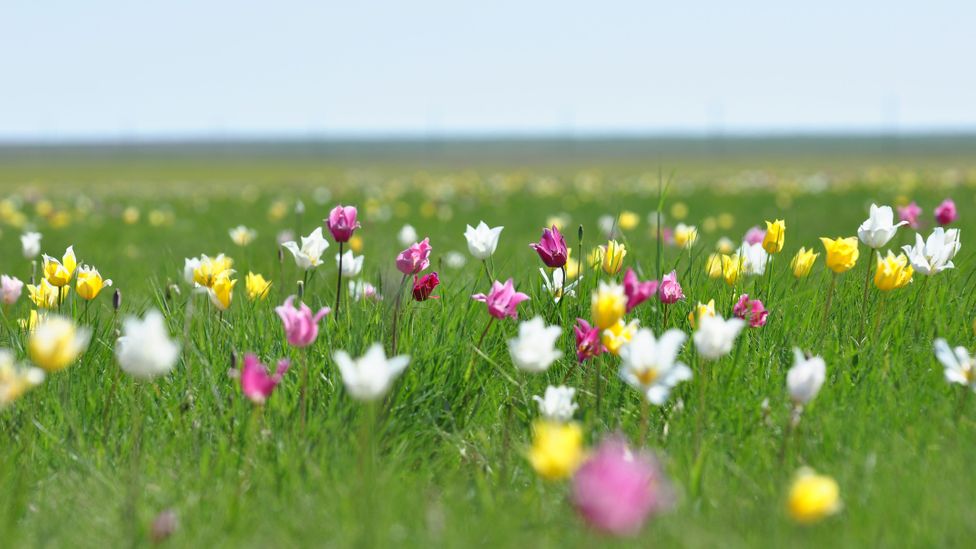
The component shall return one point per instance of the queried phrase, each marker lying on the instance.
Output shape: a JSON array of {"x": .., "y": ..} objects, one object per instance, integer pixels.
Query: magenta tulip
[
  {"x": 946, "y": 213},
  {"x": 551, "y": 248},
  {"x": 588, "y": 343},
  {"x": 301, "y": 326},
  {"x": 636, "y": 291},
  {"x": 669, "y": 290},
  {"x": 751, "y": 310},
  {"x": 502, "y": 300},
  {"x": 414, "y": 259},
  {"x": 910, "y": 213},
  {"x": 256, "y": 383},
  {"x": 342, "y": 222}
]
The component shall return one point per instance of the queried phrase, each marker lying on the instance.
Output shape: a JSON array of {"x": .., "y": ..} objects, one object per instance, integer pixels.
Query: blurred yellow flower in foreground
[
  {"x": 713, "y": 266},
  {"x": 893, "y": 272},
  {"x": 613, "y": 257},
  {"x": 557, "y": 449},
  {"x": 356, "y": 243},
  {"x": 608, "y": 305},
  {"x": 45, "y": 296},
  {"x": 256, "y": 285},
  {"x": 616, "y": 336},
  {"x": 16, "y": 380},
  {"x": 842, "y": 253},
  {"x": 701, "y": 310},
  {"x": 775, "y": 236},
  {"x": 813, "y": 497},
  {"x": 802, "y": 262},
  {"x": 732, "y": 266},
  {"x": 59, "y": 273},
  {"x": 56, "y": 343},
  {"x": 90, "y": 282}
]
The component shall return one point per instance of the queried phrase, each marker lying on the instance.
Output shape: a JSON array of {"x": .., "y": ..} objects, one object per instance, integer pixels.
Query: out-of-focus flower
[
  {"x": 356, "y": 243},
  {"x": 732, "y": 267},
  {"x": 222, "y": 291},
  {"x": 700, "y": 311},
  {"x": 613, "y": 257},
  {"x": 651, "y": 365},
  {"x": 56, "y": 343},
  {"x": 685, "y": 236},
  {"x": 551, "y": 248},
  {"x": 145, "y": 349},
  {"x": 715, "y": 336},
  {"x": 502, "y": 300},
  {"x": 352, "y": 264},
  {"x": 754, "y": 259},
  {"x": 879, "y": 227},
  {"x": 342, "y": 222},
  {"x": 805, "y": 377},
  {"x": 256, "y": 383},
  {"x": 935, "y": 254},
  {"x": 713, "y": 266},
  {"x": 802, "y": 262},
  {"x": 842, "y": 253},
  {"x": 669, "y": 291},
  {"x": 618, "y": 335},
  {"x": 755, "y": 235},
  {"x": 945, "y": 212},
  {"x": 362, "y": 290},
  {"x": 636, "y": 291},
  {"x": 557, "y": 404},
  {"x": 407, "y": 235},
  {"x": 10, "y": 289},
  {"x": 628, "y": 220},
  {"x": 30, "y": 243},
  {"x": 454, "y": 259},
  {"x": 909, "y": 214},
  {"x": 415, "y": 258},
  {"x": 813, "y": 497},
  {"x": 557, "y": 449},
  {"x": 607, "y": 225},
  {"x": 15, "y": 380},
  {"x": 301, "y": 326},
  {"x": 90, "y": 282},
  {"x": 483, "y": 240},
  {"x": 751, "y": 310},
  {"x": 206, "y": 269},
  {"x": 617, "y": 488},
  {"x": 608, "y": 305},
  {"x": 59, "y": 273},
  {"x": 424, "y": 286},
  {"x": 371, "y": 376},
  {"x": 46, "y": 296},
  {"x": 679, "y": 210},
  {"x": 556, "y": 286},
  {"x": 588, "y": 343},
  {"x": 256, "y": 285},
  {"x": 959, "y": 366},
  {"x": 309, "y": 255},
  {"x": 775, "y": 236},
  {"x": 893, "y": 272},
  {"x": 130, "y": 215},
  {"x": 572, "y": 268},
  {"x": 595, "y": 257},
  {"x": 725, "y": 245},
  {"x": 284, "y": 236},
  {"x": 534, "y": 350},
  {"x": 242, "y": 236},
  {"x": 30, "y": 323}
]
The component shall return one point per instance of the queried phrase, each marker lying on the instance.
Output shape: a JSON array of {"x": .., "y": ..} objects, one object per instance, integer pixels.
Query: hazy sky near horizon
[{"x": 182, "y": 68}]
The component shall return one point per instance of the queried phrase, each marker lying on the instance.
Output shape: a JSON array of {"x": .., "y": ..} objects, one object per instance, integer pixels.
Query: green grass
[{"x": 449, "y": 474}]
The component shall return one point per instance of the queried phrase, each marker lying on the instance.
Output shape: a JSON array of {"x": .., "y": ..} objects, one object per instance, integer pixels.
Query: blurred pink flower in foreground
[
  {"x": 502, "y": 300},
  {"x": 10, "y": 288},
  {"x": 637, "y": 292},
  {"x": 256, "y": 383},
  {"x": 415, "y": 258},
  {"x": 946, "y": 213},
  {"x": 751, "y": 310},
  {"x": 669, "y": 291},
  {"x": 755, "y": 235},
  {"x": 910, "y": 214},
  {"x": 301, "y": 326}
]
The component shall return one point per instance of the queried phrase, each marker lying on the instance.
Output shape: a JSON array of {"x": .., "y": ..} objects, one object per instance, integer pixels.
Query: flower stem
[{"x": 339, "y": 283}]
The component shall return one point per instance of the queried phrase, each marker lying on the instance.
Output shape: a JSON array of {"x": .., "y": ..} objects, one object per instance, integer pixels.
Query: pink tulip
[
  {"x": 617, "y": 489},
  {"x": 342, "y": 222},
  {"x": 256, "y": 384},
  {"x": 414, "y": 259},
  {"x": 945, "y": 213},
  {"x": 502, "y": 300},
  {"x": 910, "y": 214},
  {"x": 751, "y": 310},
  {"x": 10, "y": 288},
  {"x": 755, "y": 235},
  {"x": 551, "y": 248},
  {"x": 301, "y": 327},
  {"x": 669, "y": 291},
  {"x": 637, "y": 292},
  {"x": 588, "y": 343}
]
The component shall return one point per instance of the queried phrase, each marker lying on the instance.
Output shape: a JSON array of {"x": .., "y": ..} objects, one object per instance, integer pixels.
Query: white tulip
[
  {"x": 959, "y": 367},
  {"x": 309, "y": 255},
  {"x": 242, "y": 236},
  {"x": 482, "y": 240},
  {"x": 190, "y": 264},
  {"x": 351, "y": 264},
  {"x": 372, "y": 375},
  {"x": 534, "y": 348},
  {"x": 805, "y": 377},
  {"x": 145, "y": 349},
  {"x": 935, "y": 254},
  {"x": 879, "y": 228},
  {"x": 649, "y": 365},
  {"x": 407, "y": 235},
  {"x": 31, "y": 244},
  {"x": 362, "y": 290},
  {"x": 554, "y": 286},
  {"x": 715, "y": 336},
  {"x": 754, "y": 258},
  {"x": 557, "y": 403}
]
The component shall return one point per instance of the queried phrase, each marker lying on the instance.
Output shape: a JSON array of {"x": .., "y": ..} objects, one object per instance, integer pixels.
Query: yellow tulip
[
  {"x": 56, "y": 343},
  {"x": 557, "y": 449},
  {"x": 59, "y": 273},
  {"x": 595, "y": 257},
  {"x": 608, "y": 305},
  {"x": 893, "y": 272},
  {"x": 257, "y": 287},
  {"x": 813, "y": 497},
  {"x": 356, "y": 243},
  {"x": 802, "y": 262},
  {"x": 613, "y": 257},
  {"x": 212, "y": 268},
  {"x": 685, "y": 236},
  {"x": 45, "y": 295},
  {"x": 16, "y": 380},
  {"x": 701, "y": 310},
  {"x": 732, "y": 266},
  {"x": 242, "y": 236},
  {"x": 842, "y": 253},
  {"x": 628, "y": 220},
  {"x": 28, "y": 324},
  {"x": 90, "y": 283},
  {"x": 775, "y": 236},
  {"x": 713, "y": 266},
  {"x": 222, "y": 291},
  {"x": 618, "y": 335}
]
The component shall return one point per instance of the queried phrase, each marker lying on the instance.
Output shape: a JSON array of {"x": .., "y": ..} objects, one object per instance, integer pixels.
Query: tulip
[
  {"x": 502, "y": 300},
  {"x": 713, "y": 266},
  {"x": 588, "y": 343},
  {"x": 557, "y": 404},
  {"x": 242, "y": 236},
  {"x": 301, "y": 326},
  {"x": 10, "y": 289},
  {"x": 206, "y": 269},
  {"x": 482, "y": 240},
  {"x": 775, "y": 236},
  {"x": 754, "y": 258},
  {"x": 222, "y": 291},
  {"x": 424, "y": 286},
  {"x": 685, "y": 236},
  {"x": 879, "y": 228},
  {"x": 935, "y": 254},
  {"x": 700, "y": 311},
  {"x": 715, "y": 336},
  {"x": 407, "y": 235},
  {"x": 812, "y": 497},
  {"x": 145, "y": 349},
  {"x": 669, "y": 291},
  {"x": 945, "y": 212},
  {"x": 46, "y": 296},
  {"x": 842, "y": 253},
  {"x": 256, "y": 383},
  {"x": 534, "y": 350},
  {"x": 650, "y": 366},
  {"x": 755, "y": 235},
  {"x": 15, "y": 380},
  {"x": 56, "y": 343},
  {"x": 909, "y": 214},
  {"x": 732, "y": 268},
  {"x": 618, "y": 335},
  {"x": 618, "y": 488},
  {"x": 309, "y": 255},
  {"x": 552, "y": 248},
  {"x": 90, "y": 283},
  {"x": 362, "y": 290},
  {"x": 751, "y": 310},
  {"x": 455, "y": 260},
  {"x": 59, "y": 273},
  {"x": 636, "y": 291},
  {"x": 725, "y": 246},
  {"x": 30, "y": 244},
  {"x": 608, "y": 304},
  {"x": 257, "y": 287},
  {"x": 557, "y": 287},
  {"x": 893, "y": 272},
  {"x": 415, "y": 258},
  {"x": 803, "y": 262},
  {"x": 371, "y": 376},
  {"x": 613, "y": 257},
  {"x": 557, "y": 449},
  {"x": 342, "y": 222},
  {"x": 805, "y": 378},
  {"x": 959, "y": 366},
  {"x": 350, "y": 265},
  {"x": 628, "y": 220}
]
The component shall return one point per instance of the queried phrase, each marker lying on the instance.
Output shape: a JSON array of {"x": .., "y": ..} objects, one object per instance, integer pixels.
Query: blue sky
[{"x": 143, "y": 70}]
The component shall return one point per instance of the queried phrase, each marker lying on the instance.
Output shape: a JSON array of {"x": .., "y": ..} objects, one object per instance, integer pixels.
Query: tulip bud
[
  {"x": 281, "y": 255},
  {"x": 579, "y": 232},
  {"x": 163, "y": 526},
  {"x": 117, "y": 299},
  {"x": 301, "y": 289}
]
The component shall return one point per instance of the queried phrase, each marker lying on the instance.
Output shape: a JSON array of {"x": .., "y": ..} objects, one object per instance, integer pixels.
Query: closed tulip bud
[
  {"x": 301, "y": 289},
  {"x": 775, "y": 236},
  {"x": 579, "y": 233},
  {"x": 613, "y": 257},
  {"x": 842, "y": 253},
  {"x": 117, "y": 298},
  {"x": 803, "y": 262}
]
